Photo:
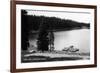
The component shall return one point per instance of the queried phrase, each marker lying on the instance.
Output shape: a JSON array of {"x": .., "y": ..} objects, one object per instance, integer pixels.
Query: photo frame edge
[{"x": 13, "y": 37}]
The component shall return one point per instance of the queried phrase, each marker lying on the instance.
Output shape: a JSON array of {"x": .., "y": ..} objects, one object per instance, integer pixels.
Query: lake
[{"x": 79, "y": 38}]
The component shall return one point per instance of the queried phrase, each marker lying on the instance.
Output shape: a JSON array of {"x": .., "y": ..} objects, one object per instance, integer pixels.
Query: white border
[{"x": 20, "y": 65}]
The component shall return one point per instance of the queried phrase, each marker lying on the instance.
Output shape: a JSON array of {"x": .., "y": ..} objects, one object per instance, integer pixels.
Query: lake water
[{"x": 79, "y": 38}]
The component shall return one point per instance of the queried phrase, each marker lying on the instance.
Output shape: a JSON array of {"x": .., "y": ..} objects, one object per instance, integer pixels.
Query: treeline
[{"x": 33, "y": 22}]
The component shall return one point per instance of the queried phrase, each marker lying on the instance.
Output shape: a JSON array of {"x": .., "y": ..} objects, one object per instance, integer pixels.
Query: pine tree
[
  {"x": 43, "y": 41},
  {"x": 24, "y": 30}
]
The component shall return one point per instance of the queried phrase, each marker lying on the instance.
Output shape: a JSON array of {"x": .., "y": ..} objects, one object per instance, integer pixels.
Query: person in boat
[{"x": 70, "y": 49}]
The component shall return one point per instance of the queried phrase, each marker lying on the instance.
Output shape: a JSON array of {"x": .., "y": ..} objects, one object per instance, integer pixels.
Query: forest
[{"x": 33, "y": 22}]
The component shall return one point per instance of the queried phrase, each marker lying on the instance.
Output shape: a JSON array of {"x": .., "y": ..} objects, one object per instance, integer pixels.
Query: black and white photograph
[
  {"x": 50, "y": 36},
  {"x": 54, "y": 35}
]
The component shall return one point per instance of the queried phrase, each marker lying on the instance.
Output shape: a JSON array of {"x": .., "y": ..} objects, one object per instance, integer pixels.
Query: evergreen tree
[
  {"x": 43, "y": 41},
  {"x": 24, "y": 30}
]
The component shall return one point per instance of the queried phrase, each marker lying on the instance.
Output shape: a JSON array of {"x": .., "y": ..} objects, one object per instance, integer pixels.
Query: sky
[{"x": 73, "y": 15}]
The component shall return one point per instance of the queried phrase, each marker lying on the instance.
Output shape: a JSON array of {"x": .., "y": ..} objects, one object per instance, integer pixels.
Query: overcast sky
[{"x": 76, "y": 16}]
